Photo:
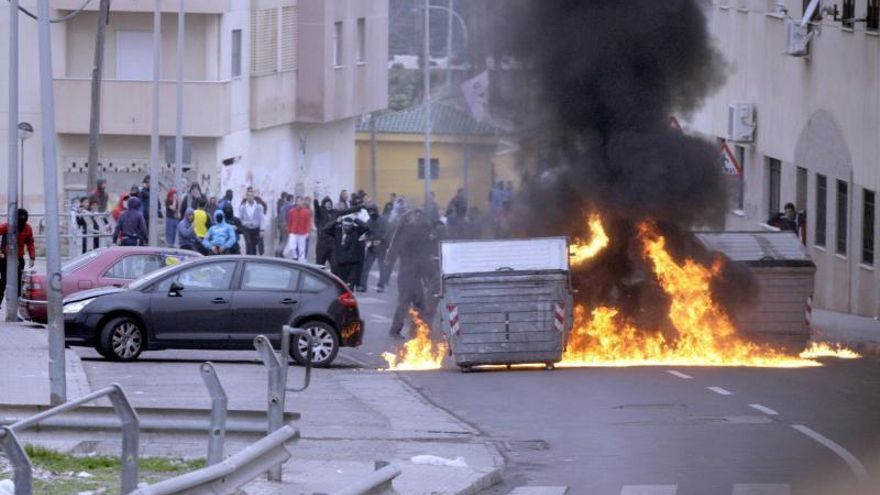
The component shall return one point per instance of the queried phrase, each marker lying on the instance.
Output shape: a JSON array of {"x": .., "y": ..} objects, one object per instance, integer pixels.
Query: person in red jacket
[
  {"x": 25, "y": 238},
  {"x": 299, "y": 226}
]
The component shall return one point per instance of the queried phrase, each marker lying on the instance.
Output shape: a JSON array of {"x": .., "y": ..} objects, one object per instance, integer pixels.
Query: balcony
[
  {"x": 192, "y": 6},
  {"x": 126, "y": 107}
]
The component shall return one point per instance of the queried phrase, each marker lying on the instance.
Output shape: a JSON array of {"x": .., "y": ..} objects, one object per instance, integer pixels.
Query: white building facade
[
  {"x": 817, "y": 133},
  {"x": 272, "y": 92}
]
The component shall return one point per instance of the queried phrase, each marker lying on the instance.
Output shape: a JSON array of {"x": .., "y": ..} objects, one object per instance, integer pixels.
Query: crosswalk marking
[
  {"x": 679, "y": 374},
  {"x": 649, "y": 490},
  {"x": 720, "y": 391},
  {"x": 761, "y": 489},
  {"x": 764, "y": 409}
]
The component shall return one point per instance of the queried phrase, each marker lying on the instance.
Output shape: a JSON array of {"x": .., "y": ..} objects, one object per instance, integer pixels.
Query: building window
[
  {"x": 337, "y": 44},
  {"x": 800, "y": 198},
  {"x": 842, "y": 215},
  {"x": 848, "y": 13},
  {"x": 435, "y": 168},
  {"x": 236, "y": 53},
  {"x": 873, "y": 17},
  {"x": 774, "y": 174},
  {"x": 867, "y": 227},
  {"x": 821, "y": 209},
  {"x": 362, "y": 40},
  {"x": 170, "y": 147}
]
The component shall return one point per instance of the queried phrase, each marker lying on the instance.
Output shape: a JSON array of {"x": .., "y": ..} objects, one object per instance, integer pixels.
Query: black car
[{"x": 218, "y": 302}]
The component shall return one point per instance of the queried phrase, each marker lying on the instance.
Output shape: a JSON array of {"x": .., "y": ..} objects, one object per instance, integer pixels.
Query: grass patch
[{"x": 57, "y": 473}]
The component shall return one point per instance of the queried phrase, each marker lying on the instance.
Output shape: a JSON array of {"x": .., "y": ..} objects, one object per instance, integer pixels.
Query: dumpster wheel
[
  {"x": 466, "y": 369},
  {"x": 549, "y": 366}
]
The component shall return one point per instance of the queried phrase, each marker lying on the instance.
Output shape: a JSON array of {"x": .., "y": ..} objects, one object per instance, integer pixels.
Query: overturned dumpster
[
  {"x": 784, "y": 273},
  {"x": 506, "y": 302}
]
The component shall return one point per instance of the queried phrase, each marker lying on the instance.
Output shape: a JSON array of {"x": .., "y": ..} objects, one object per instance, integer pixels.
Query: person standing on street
[
  {"x": 131, "y": 229},
  {"x": 251, "y": 215},
  {"x": 100, "y": 195},
  {"x": 410, "y": 244},
  {"x": 191, "y": 201},
  {"x": 346, "y": 232},
  {"x": 186, "y": 235},
  {"x": 299, "y": 226},
  {"x": 172, "y": 206},
  {"x": 227, "y": 200},
  {"x": 377, "y": 246},
  {"x": 25, "y": 240},
  {"x": 325, "y": 215},
  {"x": 235, "y": 222},
  {"x": 343, "y": 203}
]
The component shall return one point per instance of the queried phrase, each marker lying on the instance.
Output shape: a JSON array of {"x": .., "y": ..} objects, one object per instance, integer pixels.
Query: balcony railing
[
  {"x": 192, "y": 6},
  {"x": 126, "y": 107}
]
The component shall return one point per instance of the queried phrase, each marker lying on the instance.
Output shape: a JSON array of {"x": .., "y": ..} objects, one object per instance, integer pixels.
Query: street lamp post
[
  {"x": 11, "y": 275},
  {"x": 25, "y": 131},
  {"x": 426, "y": 165}
]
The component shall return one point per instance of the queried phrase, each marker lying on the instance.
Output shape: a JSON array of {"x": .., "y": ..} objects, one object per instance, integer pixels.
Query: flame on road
[
  {"x": 705, "y": 335},
  {"x": 419, "y": 353},
  {"x": 825, "y": 349},
  {"x": 599, "y": 240}
]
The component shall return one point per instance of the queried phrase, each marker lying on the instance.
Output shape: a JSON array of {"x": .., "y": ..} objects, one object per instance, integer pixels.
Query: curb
[{"x": 491, "y": 478}]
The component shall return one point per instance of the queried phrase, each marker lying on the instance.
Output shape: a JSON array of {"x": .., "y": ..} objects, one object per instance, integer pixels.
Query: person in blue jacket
[{"x": 221, "y": 236}]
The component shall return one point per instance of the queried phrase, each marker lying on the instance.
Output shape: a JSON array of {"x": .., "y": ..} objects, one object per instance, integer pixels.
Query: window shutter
[
  {"x": 288, "y": 38},
  {"x": 264, "y": 42}
]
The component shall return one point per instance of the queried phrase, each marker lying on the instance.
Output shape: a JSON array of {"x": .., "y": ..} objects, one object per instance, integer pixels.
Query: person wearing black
[
  {"x": 191, "y": 201},
  {"x": 25, "y": 242},
  {"x": 231, "y": 219},
  {"x": 377, "y": 246},
  {"x": 346, "y": 232},
  {"x": 411, "y": 245},
  {"x": 131, "y": 229},
  {"x": 325, "y": 215},
  {"x": 786, "y": 220}
]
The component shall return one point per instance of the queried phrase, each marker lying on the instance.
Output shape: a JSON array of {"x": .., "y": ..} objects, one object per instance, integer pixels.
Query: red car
[{"x": 111, "y": 266}]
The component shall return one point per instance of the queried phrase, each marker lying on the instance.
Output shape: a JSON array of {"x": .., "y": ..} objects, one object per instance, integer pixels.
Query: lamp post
[
  {"x": 25, "y": 131},
  {"x": 11, "y": 275}
]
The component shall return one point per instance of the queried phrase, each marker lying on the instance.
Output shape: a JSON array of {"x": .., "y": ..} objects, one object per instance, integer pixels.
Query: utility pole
[
  {"x": 12, "y": 170},
  {"x": 373, "y": 118},
  {"x": 449, "y": 46},
  {"x": 57, "y": 381},
  {"x": 178, "y": 139},
  {"x": 97, "y": 79},
  {"x": 427, "y": 103},
  {"x": 154, "y": 139}
]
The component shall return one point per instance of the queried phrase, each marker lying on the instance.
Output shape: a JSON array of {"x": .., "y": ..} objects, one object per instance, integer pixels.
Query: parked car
[
  {"x": 217, "y": 302},
  {"x": 110, "y": 266}
]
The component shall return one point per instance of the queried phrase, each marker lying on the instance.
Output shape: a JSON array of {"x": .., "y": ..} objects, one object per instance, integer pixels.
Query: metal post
[
  {"x": 97, "y": 79},
  {"x": 275, "y": 406},
  {"x": 21, "y": 175},
  {"x": 373, "y": 158},
  {"x": 217, "y": 435},
  {"x": 427, "y": 90},
  {"x": 178, "y": 139},
  {"x": 22, "y": 468},
  {"x": 154, "y": 138},
  {"x": 12, "y": 170},
  {"x": 130, "y": 433},
  {"x": 449, "y": 46},
  {"x": 57, "y": 381}
]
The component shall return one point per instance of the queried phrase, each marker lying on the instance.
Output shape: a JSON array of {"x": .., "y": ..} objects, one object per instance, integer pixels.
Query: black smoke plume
[{"x": 604, "y": 79}]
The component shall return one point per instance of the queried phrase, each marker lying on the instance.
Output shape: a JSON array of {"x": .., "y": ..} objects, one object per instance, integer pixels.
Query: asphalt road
[{"x": 637, "y": 431}]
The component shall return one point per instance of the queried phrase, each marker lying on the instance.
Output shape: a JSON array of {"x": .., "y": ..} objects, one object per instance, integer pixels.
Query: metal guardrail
[
  {"x": 378, "y": 482},
  {"x": 277, "y": 370},
  {"x": 217, "y": 432},
  {"x": 226, "y": 477},
  {"x": 23, "y": 476}
]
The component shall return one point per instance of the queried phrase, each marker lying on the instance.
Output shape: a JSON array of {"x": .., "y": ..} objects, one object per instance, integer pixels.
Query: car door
[
  {"x": 128, "y": 268},
  {"x": 264, "y": 301},
  {"x": 201, "y": 311}
]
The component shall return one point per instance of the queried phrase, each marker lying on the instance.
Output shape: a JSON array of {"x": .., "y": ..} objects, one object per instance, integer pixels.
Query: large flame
[
  {"x": 705, "y": 335},
  {"x": 584, "y": 251},
  {"x": 825, "y": 349},
  {"x": 419, "y": 353}
]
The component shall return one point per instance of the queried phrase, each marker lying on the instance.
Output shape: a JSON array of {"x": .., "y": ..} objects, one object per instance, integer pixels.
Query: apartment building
[
  {"x": 272, "y": 92},
  {"x": 808, "y": 99}
]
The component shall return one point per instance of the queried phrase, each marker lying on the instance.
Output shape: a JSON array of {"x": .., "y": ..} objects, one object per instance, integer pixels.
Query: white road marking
[
  {"x": 854, "y": 464},
  {"x": 679, "y": 374},
  {"x": 761, "y": 489},
  {"x": 380, "y": 318},
  {"x": 539, "y": 490},
  {"x": 649, "y": 490},
  {"x": 720, "y": 391},
  {"x": 764, "y": 409}
]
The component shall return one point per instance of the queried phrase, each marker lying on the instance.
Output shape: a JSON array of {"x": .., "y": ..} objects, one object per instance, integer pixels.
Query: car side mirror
[{"x": 175, "y": 289}]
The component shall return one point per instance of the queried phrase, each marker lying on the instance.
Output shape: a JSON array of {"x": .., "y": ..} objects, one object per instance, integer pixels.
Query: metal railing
[
  {"x": 217, "y": 428},
  {"x": 229, "y": 475},
  {"x": 378, "y": 482},
  {"x": 277, "y": 370},
  {"x": 23, "y": 472}
]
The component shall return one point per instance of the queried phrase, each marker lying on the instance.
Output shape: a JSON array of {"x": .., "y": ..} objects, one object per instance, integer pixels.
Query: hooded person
[
  {"x": 100, "y": 196},
  {"x": 220, "y": 237},
  {"x": 131, "y": 228},
  {"x": 325, "y": 214},
  {"x": 349, "y": 250},
  {"x": 235, "y": 222},
  {"x": 25, "y": 241},
  {"x": 186, "y": 234}
]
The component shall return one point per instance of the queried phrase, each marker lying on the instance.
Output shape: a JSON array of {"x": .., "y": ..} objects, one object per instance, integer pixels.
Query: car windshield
[
  {"x": 80, "y": 261},
  {"x": 150, "y": 277}
]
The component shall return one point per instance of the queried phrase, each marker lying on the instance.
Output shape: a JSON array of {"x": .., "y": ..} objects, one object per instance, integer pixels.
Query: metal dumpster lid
[
  {"x": 537, "y": 254},
  {"x": 758, "y": 248}
]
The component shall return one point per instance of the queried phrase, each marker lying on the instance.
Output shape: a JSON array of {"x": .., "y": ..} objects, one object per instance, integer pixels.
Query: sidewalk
[
  {"x": 859, "y": 332},
  {"x": 350, "y": 418}
]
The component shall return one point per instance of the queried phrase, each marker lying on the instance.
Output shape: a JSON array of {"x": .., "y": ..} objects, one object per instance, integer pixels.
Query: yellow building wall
[{"x": 397, "y": 167}]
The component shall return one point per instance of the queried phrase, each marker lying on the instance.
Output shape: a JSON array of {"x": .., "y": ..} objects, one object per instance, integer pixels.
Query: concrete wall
[
  {"x": 821, "y": 113},
  {"x": 397, "y": 161}
]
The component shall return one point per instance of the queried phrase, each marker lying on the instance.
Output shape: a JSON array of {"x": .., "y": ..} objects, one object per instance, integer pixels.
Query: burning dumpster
[
  {"x": 784, "y": 274},
  {"x": 506, "y": 302}
]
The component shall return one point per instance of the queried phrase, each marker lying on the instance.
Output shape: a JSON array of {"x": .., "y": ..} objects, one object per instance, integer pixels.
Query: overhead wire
[{"x": 59, "y": 19}]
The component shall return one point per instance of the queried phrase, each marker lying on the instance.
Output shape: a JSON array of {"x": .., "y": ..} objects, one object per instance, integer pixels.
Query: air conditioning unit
[
  {"x": 741, "y": 122},
  {"x": 797, "y": 38}
]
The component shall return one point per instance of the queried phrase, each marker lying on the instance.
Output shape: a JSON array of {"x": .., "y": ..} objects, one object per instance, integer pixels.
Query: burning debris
[
  {"x": 419, "y": 353},
  {"x": 825, "y": 349},
  {"x": 581, "y": 252}
]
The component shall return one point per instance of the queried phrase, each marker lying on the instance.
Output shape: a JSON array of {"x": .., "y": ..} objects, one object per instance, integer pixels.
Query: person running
[
  {"x": 131, "y": 229},
  {"x": 221, "y": 237},
  {"x": 25, "y": 240}
]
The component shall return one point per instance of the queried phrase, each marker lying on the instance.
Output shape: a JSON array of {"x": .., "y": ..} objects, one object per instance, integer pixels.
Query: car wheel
[
  {"x": 122, "y": 339},
  {"x": 325, "y": 344}
]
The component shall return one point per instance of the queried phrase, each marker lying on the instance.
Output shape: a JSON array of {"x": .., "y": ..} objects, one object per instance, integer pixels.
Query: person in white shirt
[{"x": 251, "y": 215}]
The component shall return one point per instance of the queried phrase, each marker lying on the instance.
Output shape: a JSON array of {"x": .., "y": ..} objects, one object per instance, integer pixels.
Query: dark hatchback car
[{"x": 218, "y": 302}]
